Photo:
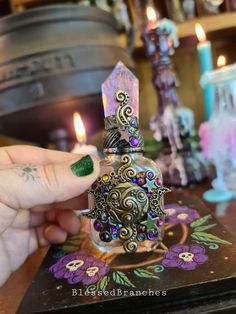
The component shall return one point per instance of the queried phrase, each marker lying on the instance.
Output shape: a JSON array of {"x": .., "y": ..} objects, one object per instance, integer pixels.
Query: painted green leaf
[
  {"x": 144, "y": 273},
  {"x": 203, "y": 236},
  {"x": 104, "y": 283},
  {"x": 202, "y": 228},
  {"x": 91, "y": 288},
  {"x": 200, "y": 221},
  {"x": 121, "y": 278}
]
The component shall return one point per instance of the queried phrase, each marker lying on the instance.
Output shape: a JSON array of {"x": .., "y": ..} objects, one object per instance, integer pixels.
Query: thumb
[{"x": 26, "y": 186}]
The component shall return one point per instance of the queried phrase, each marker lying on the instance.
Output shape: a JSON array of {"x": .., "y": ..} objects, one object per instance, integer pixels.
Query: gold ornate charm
[{"x": 127, "y": 205}]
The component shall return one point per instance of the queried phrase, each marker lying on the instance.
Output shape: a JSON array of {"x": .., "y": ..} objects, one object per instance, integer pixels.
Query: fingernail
[{"x": 82, "y": 167}]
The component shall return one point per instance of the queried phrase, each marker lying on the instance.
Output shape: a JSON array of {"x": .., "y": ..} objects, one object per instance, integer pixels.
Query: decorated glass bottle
[{"x": 126, "y": 201}]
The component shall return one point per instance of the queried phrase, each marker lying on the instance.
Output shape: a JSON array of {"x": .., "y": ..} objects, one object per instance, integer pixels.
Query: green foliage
[
  {"x": 207, "y": 237},
  {"x": 200, "y": 221},
  {"x": 120, "y": 278},
  {"x": 103, "y": 283},
  {"x": 144, "y": 273}
]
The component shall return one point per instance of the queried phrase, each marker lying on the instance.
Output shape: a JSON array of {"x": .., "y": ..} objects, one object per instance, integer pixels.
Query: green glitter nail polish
[{"x": 82, "y": 167}]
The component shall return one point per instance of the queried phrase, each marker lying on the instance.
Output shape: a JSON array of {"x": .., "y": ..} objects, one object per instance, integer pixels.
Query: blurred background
[{"x": 55, "y": 54}]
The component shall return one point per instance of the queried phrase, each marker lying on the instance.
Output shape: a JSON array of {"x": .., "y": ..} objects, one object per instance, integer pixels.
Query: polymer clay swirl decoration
[{"x": 128, "y": 205}]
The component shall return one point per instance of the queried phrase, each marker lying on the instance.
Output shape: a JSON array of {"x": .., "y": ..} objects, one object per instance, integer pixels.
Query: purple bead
[
  {"x": 150, "y": 174},
  {"x": 97, "y": 225},
  {"x": 140, "y": 228},
  {"x": 113, "y": 228},
  {"x": 140, "y": 181},
  {"x": 133, "y": 141},
  {"x": 94, "y": 185},
  {"x": 149, "y": 194},
  {"x": 159, "y": 222},
  {"x": 105, "y": 236},
  {"x": 152, "y": 235},
  {"x": 158, "y": 181}
]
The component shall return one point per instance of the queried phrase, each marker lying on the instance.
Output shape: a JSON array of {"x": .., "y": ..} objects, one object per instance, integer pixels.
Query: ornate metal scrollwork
[
  {"x": 127, "y": 202},
  {"x": 128, "y": 205},
  {"x": 121, "y": 130}
]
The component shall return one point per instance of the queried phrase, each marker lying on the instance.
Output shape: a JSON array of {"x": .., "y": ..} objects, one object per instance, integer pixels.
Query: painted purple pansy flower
[
  {"x": 97, "y": 269},
  {"x": 180, "y": 214},
  {"x": 185, "y": 257},
  {"x": 79, "y": 267},
  {"x": 70, "y": 264}
]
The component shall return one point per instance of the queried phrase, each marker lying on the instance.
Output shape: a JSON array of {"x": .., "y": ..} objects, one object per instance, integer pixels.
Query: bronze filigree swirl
[
  {"x": 126, "y": 171},
  {"x": 99, "y": 206},
  {"x": 121, "y": 130},
  {"x": 124, "y": 111},
  {"x": 128, "y": 235},
  {"x": 122, "y": 97},
  {"x": 128, "y": 203},
  {"x": 155, "y": 201}
]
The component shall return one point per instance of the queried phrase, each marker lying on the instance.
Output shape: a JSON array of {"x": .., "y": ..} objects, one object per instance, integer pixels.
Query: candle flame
[
  {"x": 151, "y": 14},
  {"x": 200, "y": 32},
  {"x": 79, "y": 128},
  {"x": 221, "y": 61}
]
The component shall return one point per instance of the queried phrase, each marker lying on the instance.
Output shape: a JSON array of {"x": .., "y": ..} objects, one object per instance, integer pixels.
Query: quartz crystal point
[{"x": 123, "y": 79}]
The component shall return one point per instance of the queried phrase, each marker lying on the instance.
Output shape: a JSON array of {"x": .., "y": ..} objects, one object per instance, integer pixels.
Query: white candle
[
  {"x": 81, "y": 147},
  {"x": 84, "y": 149}
]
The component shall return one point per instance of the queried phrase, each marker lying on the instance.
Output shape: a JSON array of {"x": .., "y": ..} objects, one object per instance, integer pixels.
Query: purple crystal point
[{"x": 121, "y": 78}]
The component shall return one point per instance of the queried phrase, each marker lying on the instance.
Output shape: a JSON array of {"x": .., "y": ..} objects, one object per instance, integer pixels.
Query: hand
[{"x": 35, "y": 186}]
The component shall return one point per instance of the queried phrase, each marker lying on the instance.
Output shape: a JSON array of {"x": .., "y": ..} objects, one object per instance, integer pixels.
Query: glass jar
[{"x": 219, "y": 133}]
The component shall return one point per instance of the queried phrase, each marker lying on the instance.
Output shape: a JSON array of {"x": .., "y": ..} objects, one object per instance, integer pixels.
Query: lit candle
[
  {"x": 81, "y": 147},
  {"x": 221, "y": 61},
  {"x": 152, "y": 17},
  {"x": 205, "y": 64}
]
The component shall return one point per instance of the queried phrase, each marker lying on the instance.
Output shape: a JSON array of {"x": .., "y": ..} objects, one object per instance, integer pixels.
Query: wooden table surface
[{"x": 13, "y": 291}]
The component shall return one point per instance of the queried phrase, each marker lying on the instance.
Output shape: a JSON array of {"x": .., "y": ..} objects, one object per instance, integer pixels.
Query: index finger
[{"x": 23, "y": 154}]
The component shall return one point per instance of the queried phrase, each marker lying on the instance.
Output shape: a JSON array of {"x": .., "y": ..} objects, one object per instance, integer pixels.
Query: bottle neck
[
  {"x": 116, "y": 156},
  {"x": 121, "y": 140}
]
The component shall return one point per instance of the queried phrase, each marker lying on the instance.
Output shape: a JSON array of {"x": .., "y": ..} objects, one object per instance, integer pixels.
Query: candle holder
[
  {"x": 218, "y": 135},
  {"x": 126, "y": 201},
  {"x": 180, "y": 163}
]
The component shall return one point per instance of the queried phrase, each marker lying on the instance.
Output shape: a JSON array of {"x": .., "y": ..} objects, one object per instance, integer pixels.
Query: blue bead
[
  {"x": 141, "y": 237},
  {"x": 152, "y": 235},
  {"x": 152, "y": 215},
  {"x": 133, "y": 123},
  {"x": 103, "y": 217},
  {"x": 114, "y": 236}
]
